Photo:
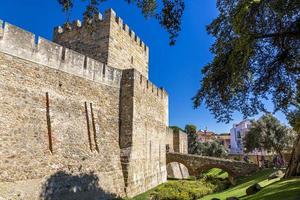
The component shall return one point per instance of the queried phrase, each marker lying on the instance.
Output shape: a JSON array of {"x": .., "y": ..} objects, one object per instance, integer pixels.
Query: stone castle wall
[
  {"x": 146, "y": 156},
  {"x": 104, "y": 121},
  {"x": 177, "y": 142},
  {"x": 170, "y": 140},
  {"x": 106, "y": 39},
  {"x": 180, "y": 142},
  {"x": 24, "y": 146}
]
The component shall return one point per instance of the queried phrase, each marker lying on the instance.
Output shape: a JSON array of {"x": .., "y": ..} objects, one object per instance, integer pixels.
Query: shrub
[{"x": 188, "y": 190}]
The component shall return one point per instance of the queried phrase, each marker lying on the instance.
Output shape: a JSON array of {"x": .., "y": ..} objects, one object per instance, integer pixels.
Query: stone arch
[{"x": 177, "y": 170}]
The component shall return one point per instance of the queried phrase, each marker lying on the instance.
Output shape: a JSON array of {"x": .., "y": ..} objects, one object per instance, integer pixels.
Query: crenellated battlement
[
  {"x": 150, "y": 87},
  {"x": 26, "y": 45},
  {"x": 97, "y": 21}
]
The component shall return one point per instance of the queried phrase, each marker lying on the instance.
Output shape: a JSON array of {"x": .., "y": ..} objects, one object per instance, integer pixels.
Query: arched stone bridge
[{"x": 197, "y": 164}]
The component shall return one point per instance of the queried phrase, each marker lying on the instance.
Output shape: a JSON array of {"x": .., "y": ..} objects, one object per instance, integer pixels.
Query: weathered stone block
[
  {"x": 177, "y": 171},
  {"x": 48, "y": 53},
  {"x": 277, "y": 174},
  {"x": 17, "y": 41}
]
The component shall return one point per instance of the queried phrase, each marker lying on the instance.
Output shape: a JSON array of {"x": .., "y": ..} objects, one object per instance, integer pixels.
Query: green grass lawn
[
  {"x": 276, "y": 189},
  {"x": 216, "y": 172},
  {"x": 286, "y": 189}
]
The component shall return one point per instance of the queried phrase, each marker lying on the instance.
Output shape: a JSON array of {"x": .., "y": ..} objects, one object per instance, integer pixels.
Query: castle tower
[
  {"x": 106, "y": 39},
  {"x": 88, "y": 109}
]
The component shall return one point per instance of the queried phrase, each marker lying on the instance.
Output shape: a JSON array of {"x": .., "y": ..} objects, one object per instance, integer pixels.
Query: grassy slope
[
  {"x": 179, "y": 190},
  {"x": 273, "y": 189},
  {"x": 216, "y": 172},
  {"x": 286, "y": 189}
]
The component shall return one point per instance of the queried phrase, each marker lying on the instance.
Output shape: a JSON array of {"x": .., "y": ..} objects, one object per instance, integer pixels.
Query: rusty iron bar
[
  {"x": 88, "y": 125},
  {"x": 94, "y": 128},
  {"x": 49, "y": 123}
]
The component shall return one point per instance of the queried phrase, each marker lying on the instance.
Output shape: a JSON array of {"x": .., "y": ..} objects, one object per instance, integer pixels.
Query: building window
[{"x": 238, "y": 134}]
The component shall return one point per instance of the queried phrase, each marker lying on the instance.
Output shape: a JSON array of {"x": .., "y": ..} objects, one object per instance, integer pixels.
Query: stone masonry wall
[
  {"x": 68, "y": 121},
  {"x": 70, "y": 81},
  {"x": 169, "y": 140},
  {"x": 106, "y": 39},
  {"x": 177, "y": 142},
  {"x": 180, "y": 142},
  {"x": 24, "y": 142},
  {"x": 145, "y": 148}
]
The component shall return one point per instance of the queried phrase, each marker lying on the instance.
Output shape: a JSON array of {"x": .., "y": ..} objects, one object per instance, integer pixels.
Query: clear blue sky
[{"x": 176, "y": 68}]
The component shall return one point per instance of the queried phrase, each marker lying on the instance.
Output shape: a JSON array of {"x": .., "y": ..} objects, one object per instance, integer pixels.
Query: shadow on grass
[
  {"x": 242, "y": 184},
  {"x": 287, "y": 189},
  {"x": 64, "y": 186},
  {"x": 250, "y": 180}
]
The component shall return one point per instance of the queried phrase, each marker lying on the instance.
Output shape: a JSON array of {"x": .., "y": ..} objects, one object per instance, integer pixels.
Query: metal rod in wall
[
  {"x": 48, "y": 123},
  {"x": 94, "y": 127},
  {"x": 88, "y": 125}
]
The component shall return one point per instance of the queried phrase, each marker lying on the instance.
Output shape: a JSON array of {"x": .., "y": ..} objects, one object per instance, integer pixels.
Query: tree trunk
[{"x": 293, "y": 168}]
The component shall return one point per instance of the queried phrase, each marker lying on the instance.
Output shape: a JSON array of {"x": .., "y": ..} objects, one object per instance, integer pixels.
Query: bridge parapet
[{"x": 197, "y": 164}]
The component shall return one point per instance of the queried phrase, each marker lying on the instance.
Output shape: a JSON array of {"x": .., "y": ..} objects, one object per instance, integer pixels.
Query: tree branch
[{"x": 283, "y": 34}]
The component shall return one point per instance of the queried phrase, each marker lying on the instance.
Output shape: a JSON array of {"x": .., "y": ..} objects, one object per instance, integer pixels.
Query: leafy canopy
[
  {"x": 256, "y": 58},
  {"x": 168, "y": 12},
  {"x": 214, "y": 149},
  {"x": 191, "y": 131},
  {"x": 269, "y": 134}
]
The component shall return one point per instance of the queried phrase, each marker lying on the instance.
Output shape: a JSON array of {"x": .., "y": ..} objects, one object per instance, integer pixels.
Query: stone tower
[
  {"x": 143, "y": 116},
  {"x": 106, "y": 39}
]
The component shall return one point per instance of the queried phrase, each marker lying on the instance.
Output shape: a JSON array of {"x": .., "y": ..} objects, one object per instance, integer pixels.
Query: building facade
[
  {"x": 206, "y": 136},
  {"x": 237, "y": 134},
  {"x": 224, "y": 139}
]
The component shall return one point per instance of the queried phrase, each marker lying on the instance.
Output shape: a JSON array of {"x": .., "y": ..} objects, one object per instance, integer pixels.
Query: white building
[{"x": 237, "y": 134}]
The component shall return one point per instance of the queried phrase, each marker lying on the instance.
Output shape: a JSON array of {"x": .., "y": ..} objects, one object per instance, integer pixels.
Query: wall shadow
[{"x": 64, "y": 186}]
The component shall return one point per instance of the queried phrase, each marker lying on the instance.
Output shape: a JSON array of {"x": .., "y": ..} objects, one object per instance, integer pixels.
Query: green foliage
[
  {"x": 191, "y": 131},
  {"x": 66, "y": 6},
  {"x": 185, "y": 190},
  {"x": 275, "y": 189},
  {"x": 269, "y": 134},
  {"x": 214, "y": 149},
  {"x": 294, "y": 119},
  {"x": 170, "y": 17},
  {"x": 256, "y": 57},
  {"x": 169, "y": 14},
  {"x": 216, "y": 173}
]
